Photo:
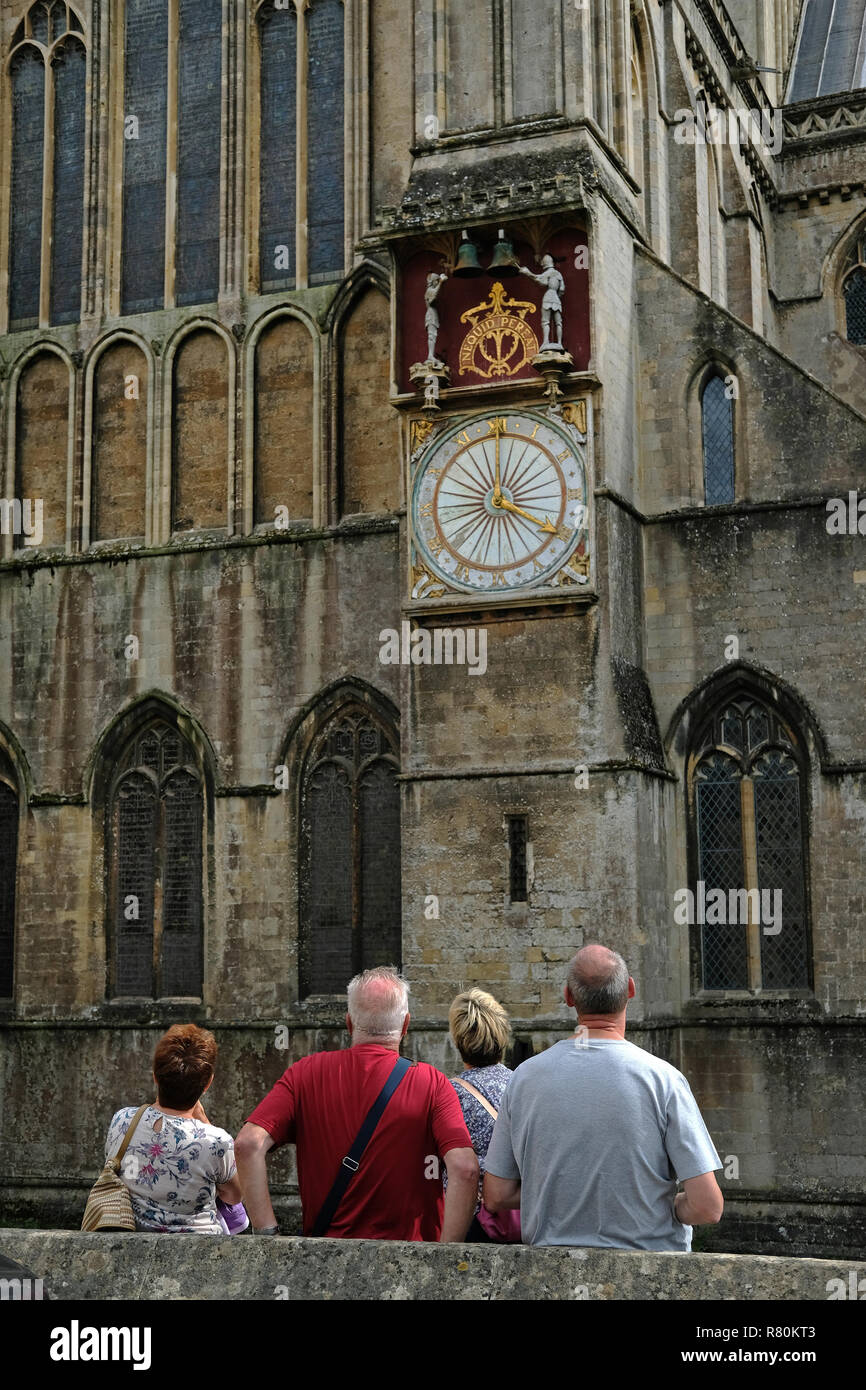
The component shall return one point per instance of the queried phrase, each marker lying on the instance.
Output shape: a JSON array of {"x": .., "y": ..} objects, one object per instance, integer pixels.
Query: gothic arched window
[
  {"x": 350, "y": 852},
  {"x": 301, "y": 142},
  {"x": 47, "y": 72},
  {"x": 717, "y": 439},
  {"x": 155, "y": 868},
  {"x": 172, "y": 104},
  {"x": 854, "y": 291},
  {"x": 747, "y": 798},
  {"x": 8, "y": 870}
]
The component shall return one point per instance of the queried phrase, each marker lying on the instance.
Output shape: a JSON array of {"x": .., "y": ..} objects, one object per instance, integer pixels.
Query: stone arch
[
  {"x": 343, "y": 755},
  {"x": 151, "y": 783},
  {"x": 743, "y": 747},
  {"x": 40, "y": 449},
  {"x": 368, "y": 472},
  {"x": 283, "y": 429},
  {"x": 110, "y": 431},
  {"x": 766, "y": 685},
  {"x": 654, "y": 151},
  {"x": 42, "y": 215},
  {"x": 715, "y": 364},
  {"x": 199, "y": 426},
  {"x": 14, "y": 792},
  {"x": 843, "y": 261}
]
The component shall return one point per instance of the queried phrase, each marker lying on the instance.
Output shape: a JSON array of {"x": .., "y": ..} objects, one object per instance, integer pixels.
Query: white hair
[{"x": 378, "y": 1002}]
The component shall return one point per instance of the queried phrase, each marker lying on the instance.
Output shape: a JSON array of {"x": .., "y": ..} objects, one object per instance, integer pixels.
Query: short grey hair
[
  {"x": 598, "y": 989},
  {"x": 378, "y": 1002}
]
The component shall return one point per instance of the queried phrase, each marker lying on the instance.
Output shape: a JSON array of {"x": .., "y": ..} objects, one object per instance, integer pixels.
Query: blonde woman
[{"x": 480, "y": 1031}]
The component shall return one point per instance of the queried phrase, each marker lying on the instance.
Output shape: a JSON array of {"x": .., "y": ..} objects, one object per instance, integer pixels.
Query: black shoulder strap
[{"x": 352, "y": 1162}]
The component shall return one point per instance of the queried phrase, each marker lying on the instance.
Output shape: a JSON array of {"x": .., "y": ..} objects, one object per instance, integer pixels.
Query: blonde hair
[{"x": 479, "y": 1028}]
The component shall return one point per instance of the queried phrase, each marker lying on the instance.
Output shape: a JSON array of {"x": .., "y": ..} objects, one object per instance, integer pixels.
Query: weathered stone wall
[{"x": 248, "y": 1268}]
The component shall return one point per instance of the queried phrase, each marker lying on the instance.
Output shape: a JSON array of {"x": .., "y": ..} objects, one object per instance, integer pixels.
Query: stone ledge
[{"x": 147, "y": 1267}]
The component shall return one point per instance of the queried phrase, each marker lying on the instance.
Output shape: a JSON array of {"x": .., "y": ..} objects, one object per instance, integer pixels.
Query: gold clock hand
[
  {"x": 497, "y": 427},
  {"x": 546, "y": 524}
]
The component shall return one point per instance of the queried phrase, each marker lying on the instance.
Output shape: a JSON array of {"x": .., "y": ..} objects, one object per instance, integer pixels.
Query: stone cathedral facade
[{"x": 433, "y": 439}]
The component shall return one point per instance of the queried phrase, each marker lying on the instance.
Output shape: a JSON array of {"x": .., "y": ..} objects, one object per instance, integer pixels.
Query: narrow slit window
[
  {"x": 517, "y": 859},
  {"x": 717, "y": 431}
]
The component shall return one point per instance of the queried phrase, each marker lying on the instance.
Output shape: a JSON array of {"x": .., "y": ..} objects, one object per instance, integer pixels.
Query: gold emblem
[
  {"x": 501, "y": 343},
  {"x": 421, "y": 431},
  {"x": 575, "y": 414},
  {"x": 574, "y": 571},
  {"x": 425, "y": 584}
]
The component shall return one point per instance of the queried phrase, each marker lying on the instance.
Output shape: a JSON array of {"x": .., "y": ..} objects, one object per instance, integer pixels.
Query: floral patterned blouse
[
  {"x": 491, "y": 1082},
  {"x": 173, "y": 1172}
]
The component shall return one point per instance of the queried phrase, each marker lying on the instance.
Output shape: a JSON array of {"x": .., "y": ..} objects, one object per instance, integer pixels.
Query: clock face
[{"x": 499, "y": 503}]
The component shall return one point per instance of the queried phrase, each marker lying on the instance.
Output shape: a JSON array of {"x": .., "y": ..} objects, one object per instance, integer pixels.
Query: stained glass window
[{"x": 350, "y": 852}]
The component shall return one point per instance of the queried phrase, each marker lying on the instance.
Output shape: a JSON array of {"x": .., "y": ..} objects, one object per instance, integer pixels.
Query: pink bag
[{"x": 504, "y": 1226}]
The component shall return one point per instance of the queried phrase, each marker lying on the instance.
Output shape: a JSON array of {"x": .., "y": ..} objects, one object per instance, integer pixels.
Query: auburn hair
[{"x": 183, "y": 1063}]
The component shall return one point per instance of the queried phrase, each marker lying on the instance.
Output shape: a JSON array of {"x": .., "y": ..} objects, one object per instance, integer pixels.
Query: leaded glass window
[
  {"x": 156, "y": 868},
  {"x": 350, "y": 852},
  {"x": 8, "y": 867},
  {"x": 171, "y": 163},
  {"x": 47, "y": 71},
  {"x": 747, "y": 787},
  {"x": 277, "y": 143},
  {"x": 301, "y": 160},
  {"x": 854, "y": 291},
  {"x": 717, "y": 435}
]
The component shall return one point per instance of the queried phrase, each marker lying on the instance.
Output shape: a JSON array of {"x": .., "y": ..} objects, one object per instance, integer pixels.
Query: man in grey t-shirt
[{"x": 593, "y": 1134}]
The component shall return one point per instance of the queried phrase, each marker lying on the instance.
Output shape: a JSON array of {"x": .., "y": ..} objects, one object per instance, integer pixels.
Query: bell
[
  {"x": 504, "y": 262},
  {"x": 467, "y": 266}
]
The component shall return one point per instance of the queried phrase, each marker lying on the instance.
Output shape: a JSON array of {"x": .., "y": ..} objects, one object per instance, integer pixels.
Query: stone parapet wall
[{"x": 145, "y": 1267}]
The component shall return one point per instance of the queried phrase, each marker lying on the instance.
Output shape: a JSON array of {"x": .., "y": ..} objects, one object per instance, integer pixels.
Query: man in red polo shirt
[{"x": 319, "y": 1105}]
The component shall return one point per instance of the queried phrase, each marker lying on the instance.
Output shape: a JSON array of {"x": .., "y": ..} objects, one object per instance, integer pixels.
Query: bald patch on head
[
  {"x": 598, "y": 980},
  {"x": 593, "y": 964}
]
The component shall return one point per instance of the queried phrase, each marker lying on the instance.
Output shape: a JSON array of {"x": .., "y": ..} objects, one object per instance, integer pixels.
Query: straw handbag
[{"x": 109, "y": 1206}]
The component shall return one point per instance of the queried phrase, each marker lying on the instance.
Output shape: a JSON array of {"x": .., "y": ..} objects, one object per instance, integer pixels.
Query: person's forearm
[
  {"x": 253, "y": 1174},
  {"x": 685, "y": 1214},
  {"x": 508, "y": 1202},
  {"x": 461, "y": 1195}
]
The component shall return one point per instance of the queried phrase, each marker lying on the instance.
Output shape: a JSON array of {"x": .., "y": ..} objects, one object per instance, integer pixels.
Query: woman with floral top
[
  {"x": 480, "y": 1031},
  {"x": 178, "y": 1164}
]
